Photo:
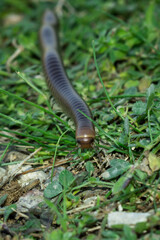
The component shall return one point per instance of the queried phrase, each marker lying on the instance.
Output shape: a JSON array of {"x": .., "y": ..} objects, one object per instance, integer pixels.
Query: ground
[{"x": 50, "y": 188}]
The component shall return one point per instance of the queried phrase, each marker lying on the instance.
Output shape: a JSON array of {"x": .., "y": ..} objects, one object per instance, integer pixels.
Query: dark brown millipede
[{"x": 59, "y": 84}]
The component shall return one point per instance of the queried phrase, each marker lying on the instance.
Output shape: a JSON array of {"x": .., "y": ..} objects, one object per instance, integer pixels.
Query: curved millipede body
[{"x": 59, "y": 84}]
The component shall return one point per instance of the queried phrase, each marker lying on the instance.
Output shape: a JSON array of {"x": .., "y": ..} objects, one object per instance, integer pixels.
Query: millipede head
[
  {"x": 85, "y": 142},
  {"x": 85, "y": 137}
]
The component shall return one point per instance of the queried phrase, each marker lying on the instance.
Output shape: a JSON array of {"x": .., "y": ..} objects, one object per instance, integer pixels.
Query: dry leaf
[{"x": 154, "y": 162}]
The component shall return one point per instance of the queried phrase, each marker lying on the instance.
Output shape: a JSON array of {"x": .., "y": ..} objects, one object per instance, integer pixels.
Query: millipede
[{"x": 59, "y": 84}]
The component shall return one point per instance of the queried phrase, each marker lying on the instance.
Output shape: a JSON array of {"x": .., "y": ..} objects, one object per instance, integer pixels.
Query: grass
[{"x": 111, "y": 55}]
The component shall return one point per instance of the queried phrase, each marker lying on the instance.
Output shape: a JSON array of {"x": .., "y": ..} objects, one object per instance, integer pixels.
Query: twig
[
  {"x": 20, "y": 214},
  {"x": 58, "y": 8},
  {"x": 19, "y": 49},
  {"x": 18, "y": 168}
]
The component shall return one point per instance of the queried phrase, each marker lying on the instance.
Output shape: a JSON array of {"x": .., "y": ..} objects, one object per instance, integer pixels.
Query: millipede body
[{"x": 59, "y": 84}]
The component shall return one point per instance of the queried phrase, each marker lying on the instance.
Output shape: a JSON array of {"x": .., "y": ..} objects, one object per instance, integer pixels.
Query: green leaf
[
  {"x": 141, "y": 175},
  {"x": 128, "y": 233},
  {"x": 92, "y": 179},
  {"x": 131, "y": 83},
  {"x": 110, "y": 235},
  {"x": 118, "y": 186},
  {"x": 150, "y": 15},
  {"x": 89, "y": 167},
  {"x": 3, "y": 199},
  {"x": 130, "y": 91},
  {"x": 33, "y": 224},
  {"x": 123, "y": 140},
  {"x": 119, "y": 163},
  {"x": 8, "y": 211},
  {"x": 56, "y": 235},
  {"x": 126, "y": 126},
  {"x": 141, "y": 227},
  {"x": 66, "y": 178},
  {"x": 53, "y": 189},
  {"x": 90, "y": 237},
  {"x": 150, "y": 96},
  {"x": 119, "y": 166},
  {"x": 139, "y": 108}
]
